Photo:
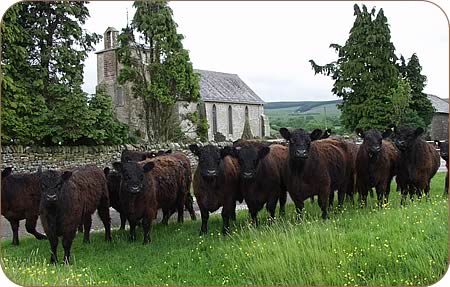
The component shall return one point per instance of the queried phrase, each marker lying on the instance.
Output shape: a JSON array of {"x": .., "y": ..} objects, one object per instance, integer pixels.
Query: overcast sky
[{"x": 268, "y": 44}]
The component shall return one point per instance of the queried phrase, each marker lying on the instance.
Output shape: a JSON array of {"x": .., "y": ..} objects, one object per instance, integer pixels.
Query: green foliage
[
  {"x": 43, "y": 50},
  {"x": 365, "y": 71},
  {"x": 402, "y": 113},
  {"x": 158, "y": 67},
  {"x": 419, "y": 100},
  {"x": 391, "y": 246}
]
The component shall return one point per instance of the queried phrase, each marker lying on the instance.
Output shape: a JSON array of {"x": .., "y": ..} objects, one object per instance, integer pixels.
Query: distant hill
[{"x": 300, "y": 106}]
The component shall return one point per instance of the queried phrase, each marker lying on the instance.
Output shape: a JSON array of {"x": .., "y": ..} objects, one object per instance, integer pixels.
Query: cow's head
[
  {"x": 249, "y": 157},
  {"x": 300, "y": 142},
  {"x": 133, "y": 175},
  {"x": 52, "y": 182},
  {"x": 209, "y": 158},
  {"x": 404, "y": 137},
  {"x": 443, "y": 148},
  {"x": 373, "y": 140},
  {"x": 6, "y": 172}
]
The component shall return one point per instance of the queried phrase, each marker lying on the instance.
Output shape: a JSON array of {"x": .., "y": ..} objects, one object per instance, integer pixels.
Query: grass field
[{"x": 371, "y": 246}]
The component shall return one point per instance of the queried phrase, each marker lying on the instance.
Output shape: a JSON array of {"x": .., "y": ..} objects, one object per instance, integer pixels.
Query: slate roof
[
  {"x": 226, "y": 88},
  {"x": 439, "y": 104}
]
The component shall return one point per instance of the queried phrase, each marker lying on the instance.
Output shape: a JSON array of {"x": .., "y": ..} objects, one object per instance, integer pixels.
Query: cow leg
[
  {"x": 15, "y": 231},
  {"x": 87, "y": 223},
  {"x": 80, "y": 227},
  {"x": 188, "y": 203},
  {"x": 67, "y": 244},
  {"x": 166, "y": 216},
  {"x": 324, "y": 197},
  {"x": 404, "y": 190},
  {"x": 123, "y": 220},
  {"x": 147, "y": 226},
  {"x": 103, "y": 213},
  {"x": 227, "y": 210},
  {"x": 341, "y": 197},
  {"x": 379, "y": 191},
  {"x": 180, "y": 210},
  {"x": 446, "y": 185},
  {"x": 205, "y": 216},
  {"x": 253, "y": 216},
  {"x": 30, "y": 225},
  {"x": 132, "y": 236},
  {"x": 271, "y": 205},
  {"x": 283, "y": 199},
  {"x": 330, "y": 200},
  {"x": 233, "y": 215},
  {"x": 53, "y": 239},
  {"x": 427, "y": 190}
]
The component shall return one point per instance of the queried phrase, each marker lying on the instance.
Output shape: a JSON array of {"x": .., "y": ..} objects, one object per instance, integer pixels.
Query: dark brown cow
[
  {"x": 69, "y": 198},
  {"x": 315, "y": 168},
  {"x": 21, "y": 194},
  {"x": 216, "y": 184},
  {"x": 138, "y": 195},
  {"x": 186, "y": 163},
  {"x": 262, "y": 182},
  {"x": 113, "y": 179},
  {"x": 376, "y": 165},
  {"x": 418, "y": 163}
]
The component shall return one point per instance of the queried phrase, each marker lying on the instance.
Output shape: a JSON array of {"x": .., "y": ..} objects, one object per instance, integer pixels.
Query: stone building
[
  {"x": 439, "y": 123},
  {"x": 227, "y": 102}
]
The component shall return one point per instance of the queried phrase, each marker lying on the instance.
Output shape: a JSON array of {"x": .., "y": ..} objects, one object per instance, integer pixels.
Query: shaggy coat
[
  {"x": 376, "y": 165},
  {"x": 70, "y": 198},
  {"x": 135, "y": 155},
  {"x": 21, "y": 194},
  {"x": 113, "y": 179},
  {"x": 418, "y": 161},
  {"x": 262, "y": 182},
  {"x": 315, "y": 167},
  {"x": 138, "y": 195},
  {"x": 216, "y": 184},
  {"x": 186, "y": 163}
]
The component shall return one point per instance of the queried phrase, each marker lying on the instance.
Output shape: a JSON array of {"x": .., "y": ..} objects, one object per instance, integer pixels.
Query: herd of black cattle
[{"x": 260, "y": 173}]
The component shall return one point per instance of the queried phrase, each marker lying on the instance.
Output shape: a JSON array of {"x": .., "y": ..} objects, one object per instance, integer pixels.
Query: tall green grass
[{"x": 371, "y": 246}]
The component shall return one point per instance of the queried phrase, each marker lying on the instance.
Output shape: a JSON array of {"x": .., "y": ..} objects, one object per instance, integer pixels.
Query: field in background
[
  {"x": 371, "y": 246},
  {"x": 309, "y": 115}
]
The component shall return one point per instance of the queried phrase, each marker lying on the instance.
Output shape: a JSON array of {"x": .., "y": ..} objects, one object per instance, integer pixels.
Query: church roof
[
  {"x": 439, "y": 104},
  {"x": 224, "y": 87}
]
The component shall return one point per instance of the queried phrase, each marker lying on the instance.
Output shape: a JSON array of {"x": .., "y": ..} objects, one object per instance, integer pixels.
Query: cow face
[
  {"x": 443, "y": 148},
  {"x": 209, "y": 158},
  {"x": 52, "y": 183},
  {"x": 404, "y": 137},
  {"x": 133, "y": 175},
  {"x": 300, "y": 142},
  {"x": 249, "y": 158},
  {"x": 373, "y": 140}
]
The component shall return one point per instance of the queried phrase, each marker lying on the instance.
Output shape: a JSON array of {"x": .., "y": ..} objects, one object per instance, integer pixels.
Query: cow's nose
[
  {"x": 300, "y": 153},
  {"x": 51, "y": 197},
  {"x": 211, "y": 172}
]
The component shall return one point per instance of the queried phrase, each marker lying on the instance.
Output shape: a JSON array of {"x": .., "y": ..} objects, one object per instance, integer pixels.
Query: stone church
[{"x": 227, "y": 102}]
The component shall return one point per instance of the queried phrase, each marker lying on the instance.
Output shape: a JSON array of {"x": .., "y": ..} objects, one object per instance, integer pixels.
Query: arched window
[
  {"x": 230, "y": 120},
  {"x": 246, "y": 112},
  {"x": 119, "y": 96},
  {"x": 263, "y": 130},
  {"x": 214, "y": 119}
]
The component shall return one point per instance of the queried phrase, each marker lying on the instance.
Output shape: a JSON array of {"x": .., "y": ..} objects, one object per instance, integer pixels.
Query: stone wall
[
  {"x": 28, "y": 159},
  {"x": 439, "y": 127}
]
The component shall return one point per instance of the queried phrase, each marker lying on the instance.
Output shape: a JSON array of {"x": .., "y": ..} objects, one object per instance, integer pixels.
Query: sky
[{"x": 269, "y": 44}]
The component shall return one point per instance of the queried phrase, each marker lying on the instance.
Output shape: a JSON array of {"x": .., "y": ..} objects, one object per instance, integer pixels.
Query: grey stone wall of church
[{"x": 439, "y": 127}]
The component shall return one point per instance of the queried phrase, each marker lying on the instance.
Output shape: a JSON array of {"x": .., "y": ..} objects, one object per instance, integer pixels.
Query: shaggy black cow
[
  {"x": 69, "y": 198},
  {"x": 216, "y": 184},
  {"x": 418, "y": 163},
  {"x": 113, "y": 179},
  {"x": 262, "y": 179},
  {"x": 376, "y": 164},
  {"x": 21, "y": 194},
  {"x": 443, "y": 147},
  {"x": 315, "y": 168}
]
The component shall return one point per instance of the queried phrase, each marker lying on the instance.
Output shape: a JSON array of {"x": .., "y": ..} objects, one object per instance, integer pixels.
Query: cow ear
[
  {"x": 418, "y": 131},
  {"x": 437, "y": 143},
  {"x": 66, "y": 175},
  {"x": 148, "y": 166},
  {"x": 387, "y": 133},
  {"x": 194, "y": 149},
  {"x": 39, "y": 171},
  {"x": 117, "y": 166},
  {"x": 285, "y": 133},
  {"x": 326, "y": 134},
  {"x": 359, "y": 132},
  {"x": 392, "y": 127},
  {"x": 228, "y": 150},
  {"x": 7, "y": 171},
  {"x": 316, "y": 134},
  {"x": 169, "y": 151},
  {"x": 106, "y": 171},
  {"x": 263, "y": 152}
]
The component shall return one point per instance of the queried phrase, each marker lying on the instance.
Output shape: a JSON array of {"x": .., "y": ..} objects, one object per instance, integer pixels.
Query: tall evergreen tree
[
  {"x": 365, "y": 71},
  {"x": 419, "y": 100},
  {"x": 157, "y": 66}
]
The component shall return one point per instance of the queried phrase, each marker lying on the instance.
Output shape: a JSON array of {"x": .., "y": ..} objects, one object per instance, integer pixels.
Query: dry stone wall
[{"x": 28, "y": 159}]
